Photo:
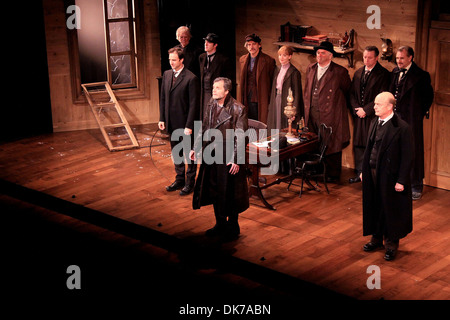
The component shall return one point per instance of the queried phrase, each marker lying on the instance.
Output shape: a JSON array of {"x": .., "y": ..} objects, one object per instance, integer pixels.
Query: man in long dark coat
[
  {"x": 213, "y": 64},
  {"x": 367, "y": 83},
  {"x": 325, "y": 98},
  {"x": 178, "y": 109},
  {"x": 387, "y": 202},
  {"x": 412, "y": 89},
  {"x": 191, "y": 51},
  {"x": 222, "y": 180}
]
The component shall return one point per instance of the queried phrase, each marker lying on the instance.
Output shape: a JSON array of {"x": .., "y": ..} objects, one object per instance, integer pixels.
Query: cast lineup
[{"x": 387, "y": 110}]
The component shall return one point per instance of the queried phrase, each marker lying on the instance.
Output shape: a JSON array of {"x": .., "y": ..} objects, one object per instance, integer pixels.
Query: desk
[
  {"x": 310, "y": 48},
  {"x": 291, "y": 151}
]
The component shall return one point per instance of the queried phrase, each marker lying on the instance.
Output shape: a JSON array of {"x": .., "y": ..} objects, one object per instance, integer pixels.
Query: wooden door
[{"x": 437, "y": 127}]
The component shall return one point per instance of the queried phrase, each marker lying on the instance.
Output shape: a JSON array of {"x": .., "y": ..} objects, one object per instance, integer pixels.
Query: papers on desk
[
  {"x": 293, "y": 140},
  {"x": 263, "y": 144}
]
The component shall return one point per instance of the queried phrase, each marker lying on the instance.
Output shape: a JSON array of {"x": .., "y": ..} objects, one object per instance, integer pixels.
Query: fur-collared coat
[{"x": 214, "y": 183}]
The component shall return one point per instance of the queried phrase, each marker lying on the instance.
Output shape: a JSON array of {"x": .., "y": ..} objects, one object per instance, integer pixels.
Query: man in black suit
[
  {"x": 178, "y": 109},
  {"x": 412, "y": 89},
  {"x": 213, "y": 64},
  {"x": 387, "y": 202},
  {"x": 190, "y": 50},
  {"x": 367, "y": 83}
]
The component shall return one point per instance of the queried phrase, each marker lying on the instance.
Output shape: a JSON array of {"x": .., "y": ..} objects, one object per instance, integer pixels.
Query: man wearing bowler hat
[
  {"x": 213, "y": 64},
  {"x": 257, "y": 70},
  {"x": 325, "y": 98}
]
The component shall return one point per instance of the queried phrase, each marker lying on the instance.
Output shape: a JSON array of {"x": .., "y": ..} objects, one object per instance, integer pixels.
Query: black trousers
[
  {"x": 358, "y": 157},
  {"x": 253, "y": 110},
  {"x": 181, "y": 157}
]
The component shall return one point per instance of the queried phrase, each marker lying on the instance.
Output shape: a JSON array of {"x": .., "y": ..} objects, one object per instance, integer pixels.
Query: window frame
[{"x": 136, "y": 90}]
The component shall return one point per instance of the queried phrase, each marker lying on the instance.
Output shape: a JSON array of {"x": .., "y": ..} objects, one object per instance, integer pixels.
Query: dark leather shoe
[
  {"x": 416, "y": 195},
  {"x": 186, "y": 190},
  {"x": 372, "y": 246},
  {"x": 354, "y": 180},
  {"x": 215, "y": 231},
  {"x": 390, "y": 254},
  {"x": 175, "y": 186}
]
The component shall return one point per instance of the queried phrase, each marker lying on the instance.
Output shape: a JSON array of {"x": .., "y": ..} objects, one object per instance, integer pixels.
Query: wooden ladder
[{"x": 108, "y": 110}]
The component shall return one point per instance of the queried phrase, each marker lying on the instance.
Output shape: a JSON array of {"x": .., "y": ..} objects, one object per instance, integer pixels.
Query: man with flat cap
[
  {"x": 325, "y": 98},
  {"x": 257, "y": 70},
  {"x": 213, "y": 64}
]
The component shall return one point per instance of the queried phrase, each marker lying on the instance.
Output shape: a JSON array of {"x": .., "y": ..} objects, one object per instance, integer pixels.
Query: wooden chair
[
  {"x": 312, "y": 165},
  {"x": 259, "y": 132}
]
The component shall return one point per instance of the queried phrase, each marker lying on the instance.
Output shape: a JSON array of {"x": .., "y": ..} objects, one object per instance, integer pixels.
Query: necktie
[
  {"x": 173, "y": 78},
  {"x": 366, "y": 76},
  {"x": 380, "y": 123},
  {"x": 209, "y": 60},
  {"x": 402, "y": 75}
]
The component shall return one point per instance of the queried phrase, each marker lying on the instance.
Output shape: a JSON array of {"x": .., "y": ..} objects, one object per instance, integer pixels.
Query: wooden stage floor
[{"x": 73, "y": 180}]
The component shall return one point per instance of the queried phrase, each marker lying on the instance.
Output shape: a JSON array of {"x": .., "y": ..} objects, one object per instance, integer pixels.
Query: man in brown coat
[
  {"x": 257, "y": 69},
  {"x": 325, "y": 98}
]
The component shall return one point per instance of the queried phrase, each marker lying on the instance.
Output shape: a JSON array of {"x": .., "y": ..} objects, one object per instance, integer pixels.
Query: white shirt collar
[
  {"x": 389, "y": 117},
  {"x": 177, "y": 73},
  {"x": 324, "y": 68}
]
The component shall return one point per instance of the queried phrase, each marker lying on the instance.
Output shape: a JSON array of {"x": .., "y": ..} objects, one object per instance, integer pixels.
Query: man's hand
[
  {"x": 161, "y": 125},
  {"x": 234, "y": 168},
  {"x": 399, "y": 187},
  {"x": 192, "y": 155},
  {"x": 360, "y": 112},
  {"x": 187, "y": 131}
]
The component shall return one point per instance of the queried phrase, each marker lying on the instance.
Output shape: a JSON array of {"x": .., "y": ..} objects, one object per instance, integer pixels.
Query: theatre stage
[{"x": 114, "y": 204}]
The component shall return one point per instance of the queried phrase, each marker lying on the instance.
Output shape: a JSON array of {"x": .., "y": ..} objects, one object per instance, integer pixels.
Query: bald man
[{"x": 387, "y": 201}]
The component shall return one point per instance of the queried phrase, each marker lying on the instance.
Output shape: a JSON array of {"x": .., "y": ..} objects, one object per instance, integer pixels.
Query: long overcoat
[
  {"x": 228, "y": 190},
  {"x": 179, "y": 103},
  {"x": 293, "y": 80},
  {"x": 412, "y": 105},
  {"x": 264, "y": 75},
  {"x": 220, "y": 67},
  {"x": 394, "y": 162},
  {"x": 333, "y": 90}
]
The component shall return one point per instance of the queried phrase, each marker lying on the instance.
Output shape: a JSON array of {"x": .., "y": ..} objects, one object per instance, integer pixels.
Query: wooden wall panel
[
  {"x": 68, "y": 116},
  {"x": 398, "y": 22}
]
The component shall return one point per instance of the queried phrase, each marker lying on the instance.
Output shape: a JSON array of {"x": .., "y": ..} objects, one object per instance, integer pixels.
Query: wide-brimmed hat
[
  {"x": 325, "y": 45},
  {"x": 212, "y": 37},
  {"x": 252, "y": 37}
]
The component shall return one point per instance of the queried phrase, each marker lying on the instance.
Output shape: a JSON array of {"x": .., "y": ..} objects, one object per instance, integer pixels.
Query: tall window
[
  {"x": 105, "y": 47},
  {"x": 120, "y": 42}
]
